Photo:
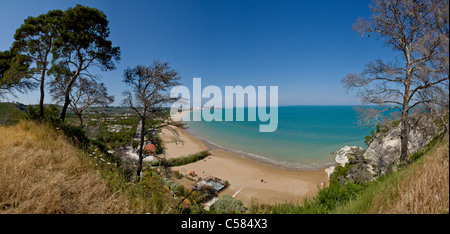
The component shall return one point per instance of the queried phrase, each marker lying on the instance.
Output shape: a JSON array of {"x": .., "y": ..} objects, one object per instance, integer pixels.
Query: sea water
[{"x": 305, "y": 138}]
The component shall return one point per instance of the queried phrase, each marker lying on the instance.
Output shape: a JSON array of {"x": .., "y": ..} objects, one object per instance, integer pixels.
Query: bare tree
[
  {"x": 437, "y": 104},
  {"x": 149, "y": 85},
  {"x": 85, "y": 93},
  {"x": 418, "y": 31}
]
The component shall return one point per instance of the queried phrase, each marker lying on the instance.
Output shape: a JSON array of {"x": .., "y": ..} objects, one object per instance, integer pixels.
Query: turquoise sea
[{"x": 305, "y": 137}]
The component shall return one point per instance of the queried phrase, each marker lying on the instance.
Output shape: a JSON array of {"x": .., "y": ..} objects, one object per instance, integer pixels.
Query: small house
[{"x": 149, "y": 149}]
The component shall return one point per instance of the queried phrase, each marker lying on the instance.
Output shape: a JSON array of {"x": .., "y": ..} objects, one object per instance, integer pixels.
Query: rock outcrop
[
  {"x": 343, "y": 155},
  {"x": 347, "y": 152},
  {"x": 384, "y": 151}
]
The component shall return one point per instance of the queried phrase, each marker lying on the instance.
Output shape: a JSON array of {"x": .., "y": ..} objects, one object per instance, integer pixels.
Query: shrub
[
  {"x": 228, "y": 204},
  {"x": 174, "y": 162},
  {"x": 51, "y": 114},
  {"x": 75, "y": 133},
  {"x": 175, "y": 187}
]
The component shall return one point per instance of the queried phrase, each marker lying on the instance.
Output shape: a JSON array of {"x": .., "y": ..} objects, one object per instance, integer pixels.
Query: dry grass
[
  {"x": 42, "y": 172},
  {"x": 423, "y": 188}
]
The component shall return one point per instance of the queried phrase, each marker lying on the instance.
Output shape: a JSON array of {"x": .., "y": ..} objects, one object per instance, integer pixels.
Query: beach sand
[
  {"x": 181, "y": 145},
  {"x": 250, "y": 180}
]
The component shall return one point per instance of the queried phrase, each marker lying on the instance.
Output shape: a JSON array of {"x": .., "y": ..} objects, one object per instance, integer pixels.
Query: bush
[
  {"x": 174, "y": 162},
  {"x": 75, "y": 133},
  {"x": 203, "y": 194},
  {"x": 51, "y": 114},
  {"x": 175, "y": 187},
  {"x": 228, "y": 204}
]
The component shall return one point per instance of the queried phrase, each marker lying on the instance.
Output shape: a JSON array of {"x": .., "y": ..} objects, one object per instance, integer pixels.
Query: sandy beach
[
  {"x": 250, "y": 180},
  {"x": 181, "y": 145}
]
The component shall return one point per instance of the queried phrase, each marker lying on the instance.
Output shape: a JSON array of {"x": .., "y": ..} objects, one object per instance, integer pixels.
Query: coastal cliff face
[{"x": 383, "y": 152}]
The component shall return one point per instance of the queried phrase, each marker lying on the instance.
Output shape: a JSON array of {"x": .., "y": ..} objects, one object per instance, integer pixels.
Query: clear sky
[{"x": 304, "y": 47}]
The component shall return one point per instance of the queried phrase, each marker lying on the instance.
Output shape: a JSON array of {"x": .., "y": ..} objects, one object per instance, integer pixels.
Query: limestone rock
[
  {"x": 330, "y": 170},
  {"x": 345, "y": 153},
  {"x": 384, "y": 151},
  {"x": 343, "y": 156}
]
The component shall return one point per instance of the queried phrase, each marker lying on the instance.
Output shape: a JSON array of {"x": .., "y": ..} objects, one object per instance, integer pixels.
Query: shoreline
[
  {"x": 251, "y": 180},
  {"x": 258, "y": 158}
]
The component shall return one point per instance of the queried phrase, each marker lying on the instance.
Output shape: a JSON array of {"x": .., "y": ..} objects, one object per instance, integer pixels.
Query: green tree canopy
[
  {"x": 13, "y": 67},
  {"x": 35, "y": 39},
  {"x": 82, "y": 44}
]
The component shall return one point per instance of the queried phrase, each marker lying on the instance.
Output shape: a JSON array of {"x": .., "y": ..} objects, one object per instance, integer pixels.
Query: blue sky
[{"x": 303, "y": 47}]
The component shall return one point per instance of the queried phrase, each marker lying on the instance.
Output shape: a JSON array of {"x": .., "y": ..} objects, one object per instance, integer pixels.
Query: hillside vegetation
[
  {"x": 11, "y": 113},
  {"x": 422, "y": 187},
  {"x": 42, "y": 171}
]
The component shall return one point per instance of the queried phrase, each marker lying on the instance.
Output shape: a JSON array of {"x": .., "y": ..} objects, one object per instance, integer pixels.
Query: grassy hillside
[
  {"x": 421, "y": 187},
  {"x": 42, "y": 171},
  {"x": 11, "y": 113}
]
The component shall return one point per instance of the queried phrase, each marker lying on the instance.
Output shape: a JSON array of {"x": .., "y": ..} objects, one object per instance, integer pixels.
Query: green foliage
[
  {"x": 13, "y": 67},
  {"x": 51, "y": 116},
  {"x": 373, "y": 133},
  {"x": 5, "y": 63},
  {"x": 134, "y": 144},
  {"x": 337, "y": 193},
  {"x": 51, "y": 113},
  {"x": 154, "y": 138},
  {"x": 340, "y": 172},
  {"x": 117, "y": 139},
  {"x": 228, "y": 204},
  {"x": 326, "y": 200},
  {"x": 175, "y": 187},
  {"x": 11, "y": 113},
  {"x": 202, "y": 195},
  {"x": 344, "y": 195},
  {"x": 14, "y": 73},
  {"x": 345, "y": 183},
  {"x": 84, "y": 32},
  {"x": 76, "y": 134},
  {"x": 174, "y": 162}
]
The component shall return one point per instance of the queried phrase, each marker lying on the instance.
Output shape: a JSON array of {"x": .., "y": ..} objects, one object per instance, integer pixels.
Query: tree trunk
[
  {"x": 141, "y": 149},
  {"x": 81, "y": 120},
  {"x": 67, "y": 95},
  {"x": 404, "y": 121},
  {"x": 41, "y": 101},
  {"x": 404, "y": 140},
  {"x": 64, "y": 109}
]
